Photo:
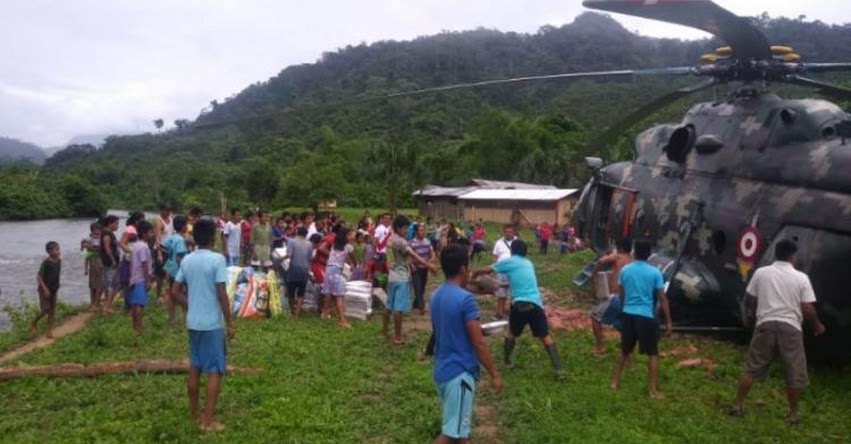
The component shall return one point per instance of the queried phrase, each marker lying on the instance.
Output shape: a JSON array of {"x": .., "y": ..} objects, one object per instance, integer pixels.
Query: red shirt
[
  {"x": 478, "y": 233},
  {"x": 246, "y": 232},
  {"x": 321, "y": 258},
  {"x": 545, "y": 232}
]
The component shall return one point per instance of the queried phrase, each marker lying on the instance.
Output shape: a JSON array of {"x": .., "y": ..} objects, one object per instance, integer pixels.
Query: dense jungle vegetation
[{"x": 305, "y": 135}]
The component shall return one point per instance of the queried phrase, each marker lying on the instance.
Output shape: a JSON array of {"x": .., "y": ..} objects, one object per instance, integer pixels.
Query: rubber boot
[
  {"x": 552, "y": 351},
  {"x": 507, "y": 349}
]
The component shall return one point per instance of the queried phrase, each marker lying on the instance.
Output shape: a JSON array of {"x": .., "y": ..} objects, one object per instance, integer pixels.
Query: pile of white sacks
[{"x": 358, "y": 298}]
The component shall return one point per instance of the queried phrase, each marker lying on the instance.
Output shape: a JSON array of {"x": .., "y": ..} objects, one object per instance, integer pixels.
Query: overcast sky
[{"x": 76, "y": 67}]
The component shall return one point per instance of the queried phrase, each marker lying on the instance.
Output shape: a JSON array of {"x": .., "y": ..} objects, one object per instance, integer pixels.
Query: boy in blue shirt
[
  {"x": 641, "y": 285},
  {"x": 205, "y": 274},
  {"x": 527, "y": 307},
  {"x": 459, "y": 347}
]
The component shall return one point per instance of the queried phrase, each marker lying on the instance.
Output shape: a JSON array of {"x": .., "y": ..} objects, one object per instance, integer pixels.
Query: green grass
[
  {"x": 20, "y": 318},
  {"x": 324, "y": 385}
]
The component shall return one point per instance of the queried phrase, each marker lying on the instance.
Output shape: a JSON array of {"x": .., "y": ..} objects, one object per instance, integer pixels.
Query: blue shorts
[
  {"x": 233, "y": 261},
  {"x": 456, "y": 398},
  {"x": 137, "y": 295},
  {"x": 208, "y": 351},
  {"x": 608, "y": 312},
  {"x": 397, "y": 297}
]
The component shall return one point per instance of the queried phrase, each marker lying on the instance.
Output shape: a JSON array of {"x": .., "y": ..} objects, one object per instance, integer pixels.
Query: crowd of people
[{"x": 191, "y": 254}]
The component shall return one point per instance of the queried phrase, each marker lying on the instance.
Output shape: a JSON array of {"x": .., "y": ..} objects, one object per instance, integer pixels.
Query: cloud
[{"x": 90, "y": 66}]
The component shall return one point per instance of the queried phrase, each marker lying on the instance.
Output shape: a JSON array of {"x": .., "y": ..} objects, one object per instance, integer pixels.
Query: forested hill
[
  {"x": 12, "y": 150},
  {"x": 298, "y": 137}
]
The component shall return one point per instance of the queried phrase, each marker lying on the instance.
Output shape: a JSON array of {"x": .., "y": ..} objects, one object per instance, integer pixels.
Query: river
[{"x": 21, "y": 253}]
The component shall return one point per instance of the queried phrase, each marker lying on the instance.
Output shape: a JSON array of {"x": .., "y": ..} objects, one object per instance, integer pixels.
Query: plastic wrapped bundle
[
  {"x": 311, "y": 296},
  {"x": 358, "y": 299}
]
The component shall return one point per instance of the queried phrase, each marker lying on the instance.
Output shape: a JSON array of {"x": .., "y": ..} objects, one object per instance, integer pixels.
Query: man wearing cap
[{"x": 527, "y": 307}]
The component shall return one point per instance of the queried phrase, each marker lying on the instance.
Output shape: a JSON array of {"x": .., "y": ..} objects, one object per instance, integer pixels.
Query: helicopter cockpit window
[{"x": 681, "y": 141}]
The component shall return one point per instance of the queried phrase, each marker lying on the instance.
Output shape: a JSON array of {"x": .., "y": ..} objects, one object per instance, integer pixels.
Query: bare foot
[
  {"x": 196, "y": 416},
  {"x": 655, "y": 394},
  {"x": 399, "y": 341},
  {"x": 49, "y": 334},
  {"x": 213, "y": 426},
  {"x": 598, "y": 352},
  {"x": 345, "y": 325},
  {"x": 615, "y": 385}
]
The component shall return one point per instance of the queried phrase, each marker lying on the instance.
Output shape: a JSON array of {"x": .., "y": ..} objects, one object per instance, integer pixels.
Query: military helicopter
[{"x": 718, "y": 190}]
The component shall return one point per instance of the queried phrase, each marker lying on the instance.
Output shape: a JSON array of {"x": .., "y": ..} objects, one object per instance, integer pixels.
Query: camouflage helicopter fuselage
[{"x": 720, "y": 189}]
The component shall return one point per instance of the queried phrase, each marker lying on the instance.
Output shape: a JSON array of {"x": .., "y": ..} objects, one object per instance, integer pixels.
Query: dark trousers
[
  {"x": 544, "y": 245},
  {"x": 418, "y": 282}
]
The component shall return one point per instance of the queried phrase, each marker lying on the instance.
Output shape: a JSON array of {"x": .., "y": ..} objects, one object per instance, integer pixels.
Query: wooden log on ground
[{"x": 72, "y": 370}]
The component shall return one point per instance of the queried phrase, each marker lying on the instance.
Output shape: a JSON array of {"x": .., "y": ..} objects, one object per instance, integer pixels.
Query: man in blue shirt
[
  {"x": 527, "y": 307},
  {"x": 641, "y": 285},
  {"x": 459, "y": 347},
  {"x": 205, "y": 274}
]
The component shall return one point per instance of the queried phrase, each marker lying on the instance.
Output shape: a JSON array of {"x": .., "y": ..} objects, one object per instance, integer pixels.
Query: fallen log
[{"x": 72, "y": 370}]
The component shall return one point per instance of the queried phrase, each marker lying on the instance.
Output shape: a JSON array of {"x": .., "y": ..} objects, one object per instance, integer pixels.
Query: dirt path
[{"x": 74, "y": 324}]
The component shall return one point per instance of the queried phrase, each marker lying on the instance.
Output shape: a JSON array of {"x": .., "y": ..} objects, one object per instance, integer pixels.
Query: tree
[
  {"x": 158, "y": 123},
  {"x": 182, "y": 124},
  {"x": 314, "y": 178},
  {"x": 398, "y": 167}
]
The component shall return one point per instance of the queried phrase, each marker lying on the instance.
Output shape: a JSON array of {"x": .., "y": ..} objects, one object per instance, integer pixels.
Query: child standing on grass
[
  {"x": 341, "y": 252},
  {"x": 176, "y": 248},
  {"x": 261, "y": 241},
  {"x": 48, "y": 286},
  {"x": 459, "y": 347},
  {"x": 398, "y": 300},
  {"x": 205, "y": 274},
  {"x": 141, "y": 270},
  {"x": 94, "y": 267}
]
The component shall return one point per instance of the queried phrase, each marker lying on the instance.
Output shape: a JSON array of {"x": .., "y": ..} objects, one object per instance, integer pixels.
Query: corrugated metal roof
[
  {"x": 435, "y": 191},
  {"x": 528, "y": 194},
  {"x": 477, "y": 184},
  {"x": 485, "y": 183}
]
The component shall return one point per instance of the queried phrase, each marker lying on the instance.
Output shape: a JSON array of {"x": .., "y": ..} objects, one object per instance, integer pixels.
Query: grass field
[{"x": 324, "y": 385}]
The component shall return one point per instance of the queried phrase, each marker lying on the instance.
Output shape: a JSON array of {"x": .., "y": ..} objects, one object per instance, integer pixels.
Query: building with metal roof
[
  {"x": 497, "y": 201},
  {"x": 521, "y": 207}
]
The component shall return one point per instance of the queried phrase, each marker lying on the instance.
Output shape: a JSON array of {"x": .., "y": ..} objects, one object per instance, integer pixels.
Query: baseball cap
[{"x": 130, "y": 229}]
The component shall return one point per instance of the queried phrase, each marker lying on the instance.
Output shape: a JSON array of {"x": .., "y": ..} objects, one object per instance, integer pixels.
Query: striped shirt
[{"x": 423, "y": 250}]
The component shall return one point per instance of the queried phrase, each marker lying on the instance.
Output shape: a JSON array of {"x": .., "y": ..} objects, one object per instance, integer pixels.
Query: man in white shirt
[
  {"x": 781, "y": 297},
  {"x": 502, "y": 251}
]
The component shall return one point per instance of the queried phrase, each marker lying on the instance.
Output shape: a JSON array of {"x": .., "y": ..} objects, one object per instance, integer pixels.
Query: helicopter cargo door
[{"x": 611, "y": 217}]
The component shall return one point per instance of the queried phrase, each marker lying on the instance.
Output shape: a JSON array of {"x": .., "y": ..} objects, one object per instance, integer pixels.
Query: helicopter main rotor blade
[
  {"x": 824, "y": 67},
  {"x": 678, "y": 70},
  {"x": 615, "y": 130},
  {"x": 744, "y": 38},
  {"x": 828, "y": 89},
  {"x": 670, "y": 71}
]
